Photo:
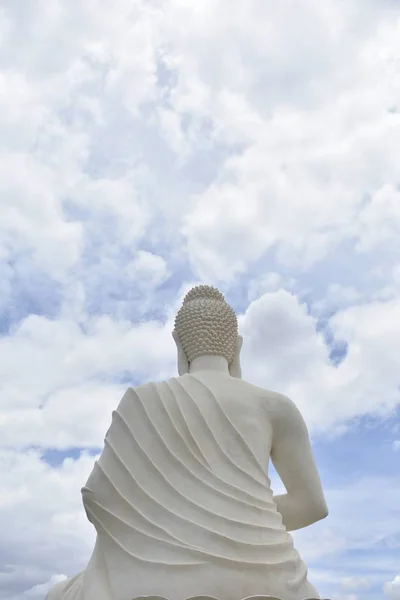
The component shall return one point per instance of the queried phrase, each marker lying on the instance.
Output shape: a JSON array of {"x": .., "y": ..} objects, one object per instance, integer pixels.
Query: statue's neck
[{"x": 209, "y": 363}]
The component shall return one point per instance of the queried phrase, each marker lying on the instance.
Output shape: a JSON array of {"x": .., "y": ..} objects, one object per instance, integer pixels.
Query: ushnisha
[
  {"x": 180, "y": 497},
  {"x": 206, "y": 324}
]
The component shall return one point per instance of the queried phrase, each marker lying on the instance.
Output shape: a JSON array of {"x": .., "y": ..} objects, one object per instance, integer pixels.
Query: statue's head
[{"x": 206, "y": 324}]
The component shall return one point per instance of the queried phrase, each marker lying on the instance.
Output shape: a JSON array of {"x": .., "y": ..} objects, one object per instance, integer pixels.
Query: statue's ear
[
  {"x": 235, "y": 370},
  {"x": 183, "y": 363}
]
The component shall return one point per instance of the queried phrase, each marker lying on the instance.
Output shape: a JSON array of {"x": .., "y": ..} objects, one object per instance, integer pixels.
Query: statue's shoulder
[
  {"x": 265, "y": 393},
  {"x": 274, "y": 401},
  {"x": 139, "y": 390},
  {"x": 150, "y": 386}
]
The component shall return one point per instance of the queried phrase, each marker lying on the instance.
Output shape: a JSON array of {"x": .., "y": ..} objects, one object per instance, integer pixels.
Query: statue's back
[
  {"x": 181, "y": 499},
  {"x": 180, "y": 496},
  {"x": 249, "y": 410}
]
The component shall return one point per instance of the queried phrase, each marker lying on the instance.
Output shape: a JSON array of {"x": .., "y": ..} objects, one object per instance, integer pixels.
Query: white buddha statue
[{"x": 180, "y": 496}]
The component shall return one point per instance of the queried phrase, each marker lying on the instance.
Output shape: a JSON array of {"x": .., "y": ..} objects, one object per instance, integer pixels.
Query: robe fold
[{"x": 182, "y": 504}]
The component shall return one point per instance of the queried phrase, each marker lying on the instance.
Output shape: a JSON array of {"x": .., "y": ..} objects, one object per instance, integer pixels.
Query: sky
[{"x": 150, "y": 145}]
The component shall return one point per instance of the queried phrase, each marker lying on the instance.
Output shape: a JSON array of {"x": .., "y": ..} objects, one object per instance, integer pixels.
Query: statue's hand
[
  {"x": 183, "y": 363},
  {"x": 235, "y": 370}
]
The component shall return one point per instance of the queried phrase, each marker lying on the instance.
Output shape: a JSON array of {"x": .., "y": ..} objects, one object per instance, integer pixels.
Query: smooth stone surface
[
  {"x": 180, "y": 496},
  {"x": 212, "y": 598}
]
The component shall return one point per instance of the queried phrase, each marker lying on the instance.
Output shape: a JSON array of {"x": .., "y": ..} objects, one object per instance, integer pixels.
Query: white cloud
[
  {"x": 70, "y": 377},
  {"x": 392, "y": 589},
  {"x": 41, "y": 510},
  {"x": 271, "y": 282},
  {"x": 283, "y": 350},
  {"x": 54, "y": 103},
  {"x": 356, "y": 583},
  {"x": 289, "y": 156},
  {"x": 64, "y": 361},
  {"x": 379, "y": 222},
  {"x": 64, "y": 364},
  {"x": 302, "y": 172},
  {"x": 48, "y": 504},
  {"x": 338, "y": 540},
  {"x": 145, "y": 137},
  {"x": 32, "y": 223},
  {"x": 277, "y": 326},
  {"x": 149, "y": 270},
  {"x": 39, "y": 591},
  {"x": 336, "y": 297}
]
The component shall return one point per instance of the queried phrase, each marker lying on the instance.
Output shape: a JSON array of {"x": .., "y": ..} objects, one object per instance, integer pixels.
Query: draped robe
[{"x": 181, "y": 500}]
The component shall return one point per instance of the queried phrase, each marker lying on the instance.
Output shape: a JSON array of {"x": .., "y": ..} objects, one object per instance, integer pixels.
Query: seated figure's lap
[{"x": 221, "y": 582}]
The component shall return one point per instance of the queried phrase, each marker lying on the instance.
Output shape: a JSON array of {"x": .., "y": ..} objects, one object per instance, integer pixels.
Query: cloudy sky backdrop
[{"x": 146, "y": 146}]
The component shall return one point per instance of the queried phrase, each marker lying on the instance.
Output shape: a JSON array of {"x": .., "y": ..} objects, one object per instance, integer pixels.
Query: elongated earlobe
[
  {"x": 235, "y": 369},
  {"x": 183, "y": 363}
]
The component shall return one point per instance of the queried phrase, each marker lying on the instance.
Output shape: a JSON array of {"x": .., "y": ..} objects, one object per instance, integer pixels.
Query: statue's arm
[{"x": 292, "y": 456}]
